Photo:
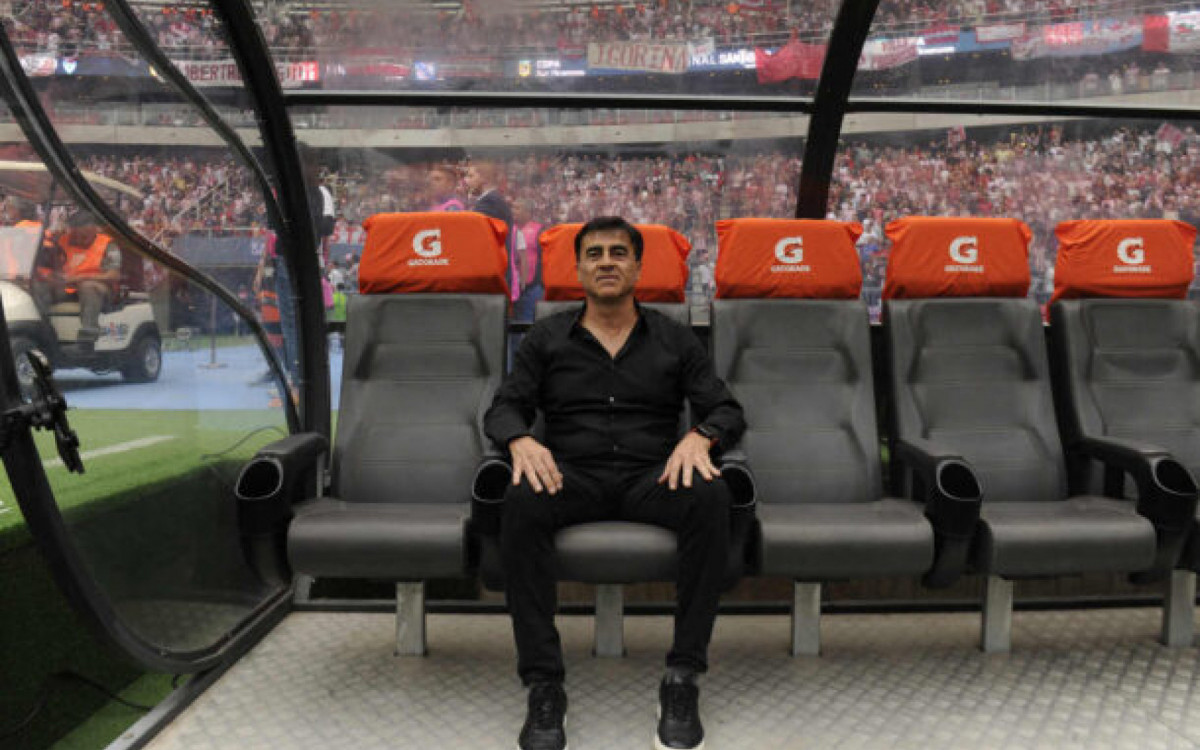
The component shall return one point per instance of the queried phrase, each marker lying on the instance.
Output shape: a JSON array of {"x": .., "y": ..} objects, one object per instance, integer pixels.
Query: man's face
[
  {"x": 440, "y": 184},
  {"x": 83, "y": 236},
  {"x": 474, "y": 180},
  {"x": 607, "y": 267}
]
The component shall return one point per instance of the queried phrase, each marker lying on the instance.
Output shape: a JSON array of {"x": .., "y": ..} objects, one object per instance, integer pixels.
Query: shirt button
[{"x": 612, "y": 399}]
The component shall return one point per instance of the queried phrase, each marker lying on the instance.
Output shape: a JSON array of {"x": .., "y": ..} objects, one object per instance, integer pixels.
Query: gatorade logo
[
  {"x": 789, "y": 251},
  {"x": 964, "y": 251},
  {"x": 1131, "y": 251},
  {"x": 428, "y": 244}
]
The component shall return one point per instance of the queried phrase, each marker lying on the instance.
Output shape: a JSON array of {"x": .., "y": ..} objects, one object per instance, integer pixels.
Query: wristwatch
[{"x": 707, "y": 431}]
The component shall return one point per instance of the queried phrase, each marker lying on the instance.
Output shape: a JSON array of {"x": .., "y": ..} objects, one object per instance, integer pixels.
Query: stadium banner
[
  {"x": 1000, "y": 32},
  {"x": 883, "y": 54},
  {"x": 968, "y": 42},
  {"x": 701, "y": 47},
  {"x": 638, "y": 56},
  {"x": 101, "y": 64},
  {"x": 469, "y": 66},
  {"x": 1177, "y": 31},
  {"x": 1079, "y": 39},
  {"x": 39, "y": 65},
  {"x": 226, "y": 73},
  {"x": 545, "y": 68},
  {"x": 365, "y": 62},
  {"x": 738, "y": 58}
]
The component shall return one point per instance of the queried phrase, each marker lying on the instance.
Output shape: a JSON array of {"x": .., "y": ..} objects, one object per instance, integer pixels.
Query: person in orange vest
[
  {"x": 88, "y": 267},
  {"x": 19, "y": 213}
]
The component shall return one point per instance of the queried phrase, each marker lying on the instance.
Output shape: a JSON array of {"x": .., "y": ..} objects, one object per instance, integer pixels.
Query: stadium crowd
[
  {"x": 1040, "y": 174},
  {"x": 67, "y": 26}
]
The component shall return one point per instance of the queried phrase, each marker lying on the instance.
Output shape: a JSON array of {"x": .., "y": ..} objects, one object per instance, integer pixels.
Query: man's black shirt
[{"x": 599, "y": 408}]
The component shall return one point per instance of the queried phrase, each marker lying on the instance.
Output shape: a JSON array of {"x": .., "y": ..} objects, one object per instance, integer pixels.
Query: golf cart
[{"x": 129, "y": 340}]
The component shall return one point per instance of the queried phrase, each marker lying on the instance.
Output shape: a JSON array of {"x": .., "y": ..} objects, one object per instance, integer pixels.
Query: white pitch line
[{"x": 118, "y": 448}]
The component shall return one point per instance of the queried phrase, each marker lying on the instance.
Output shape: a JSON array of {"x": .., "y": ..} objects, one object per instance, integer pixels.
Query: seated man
[
  {"x": 89, "y": 266},
  {"x": 610, "y": 379}
]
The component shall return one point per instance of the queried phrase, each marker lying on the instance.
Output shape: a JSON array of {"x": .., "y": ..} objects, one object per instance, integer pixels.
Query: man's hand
[
  {"x": 690, "y": 455},
  {"x": 534, "y": 461}
]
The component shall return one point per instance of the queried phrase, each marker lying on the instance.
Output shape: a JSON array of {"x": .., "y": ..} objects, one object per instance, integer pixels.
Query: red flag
[
  {"x": 793, "y": 60},
  {"x": 1170, "y": 134},
  {"x": 1156, "y": 34}
]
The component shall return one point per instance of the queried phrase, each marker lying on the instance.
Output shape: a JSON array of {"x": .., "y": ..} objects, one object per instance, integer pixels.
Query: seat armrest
[
  {"x": 492, "y": 477},
  {"x": 1166, "y": 490},
  {"x": 267, "y": 489},
  {"x": 296, "y": 451},
  {"x": 952, "y": 497},
  {"x": 277, "y": 472},
  {"x": 735, "y": 470}
]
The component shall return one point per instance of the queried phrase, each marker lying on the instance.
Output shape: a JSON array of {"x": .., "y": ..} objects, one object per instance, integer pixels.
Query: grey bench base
[
  {"x": 608, "y": 639},
  {"x": 1179, "y": 610},
  {"x": 996, "y": 635},
  {"x": 410, "y": 619},
  {"x": 806, "y": 619}
]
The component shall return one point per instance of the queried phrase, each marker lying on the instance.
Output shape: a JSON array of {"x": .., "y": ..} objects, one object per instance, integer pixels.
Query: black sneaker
[
  {"x": 679, "y": 725},
  {"x": 544, "y": 723}
]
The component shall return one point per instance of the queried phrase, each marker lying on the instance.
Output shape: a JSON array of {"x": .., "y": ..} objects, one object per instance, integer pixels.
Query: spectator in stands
[
  {"x": 351, "y": 274},
  {"x": 611, "y": 377},
  {"x": 320, "y": 201},
  {"x": 483, "y": 189},
  {"x": 526, "y": 261},
  {"x": 442, "y": 181}
]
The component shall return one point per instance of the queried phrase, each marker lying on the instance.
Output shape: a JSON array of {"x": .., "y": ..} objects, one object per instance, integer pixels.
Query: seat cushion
[
  {"x": 1078, "y": 535},
  {"x": 399, "y": 541},
  {"x": 616, "y": 552},
  {"x": 819, "y": 541}
]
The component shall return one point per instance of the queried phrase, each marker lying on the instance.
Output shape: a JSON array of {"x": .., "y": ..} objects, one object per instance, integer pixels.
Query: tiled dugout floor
[{"x": 1081, "y": 679}]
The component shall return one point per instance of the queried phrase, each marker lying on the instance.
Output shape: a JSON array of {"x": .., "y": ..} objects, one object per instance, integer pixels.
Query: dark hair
[
  {"x": 81, "y": 219},
  {"x": 609, "y": 223},
  {"x": 447, "y": 170}
]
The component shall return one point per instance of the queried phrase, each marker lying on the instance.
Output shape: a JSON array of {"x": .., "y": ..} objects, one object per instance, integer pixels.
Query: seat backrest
[
  {"x": 420, "y": 368},
  {"x": 1130, "y": 368},
  {"x": 801, "y": 368},
  {"x": 970, "y": 373},
  {"x": 802, "y": 371},
  {"x": 1127, "y": 364}
]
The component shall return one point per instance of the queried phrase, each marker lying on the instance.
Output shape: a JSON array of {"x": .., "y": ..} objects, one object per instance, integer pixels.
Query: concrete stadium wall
[{"x": 767, "y": 127}]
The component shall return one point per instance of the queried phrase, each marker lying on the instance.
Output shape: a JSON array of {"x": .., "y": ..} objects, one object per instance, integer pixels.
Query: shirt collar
[{"x": 577, "y": 320}]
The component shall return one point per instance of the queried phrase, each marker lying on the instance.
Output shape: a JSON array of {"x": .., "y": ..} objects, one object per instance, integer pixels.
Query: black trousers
[{"x": 700, "y": 517}]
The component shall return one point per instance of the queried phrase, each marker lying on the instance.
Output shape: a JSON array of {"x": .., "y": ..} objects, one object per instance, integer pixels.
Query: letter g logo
[
  {"x": 1131, "y": 251},
  {"x": 964, "y": 250},
  {"x": 428, "y": 243},
  {"x": 790, "y": 250}
]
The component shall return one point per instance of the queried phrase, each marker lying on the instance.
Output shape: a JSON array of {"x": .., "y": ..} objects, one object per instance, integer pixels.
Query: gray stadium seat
[
  {"x": 972, "y": 375},
  {"x": 802, "y": 371},
  {"x": 418, "y": 372},
  {"x": 1127, "y": 375}
]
